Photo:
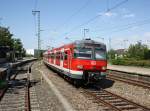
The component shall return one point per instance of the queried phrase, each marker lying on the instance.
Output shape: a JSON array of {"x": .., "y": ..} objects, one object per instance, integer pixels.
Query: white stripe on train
[{"x": 65, "y": 69}]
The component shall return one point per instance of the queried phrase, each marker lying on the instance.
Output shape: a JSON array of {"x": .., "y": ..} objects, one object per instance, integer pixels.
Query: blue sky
[{"x": 126, "y": 24}]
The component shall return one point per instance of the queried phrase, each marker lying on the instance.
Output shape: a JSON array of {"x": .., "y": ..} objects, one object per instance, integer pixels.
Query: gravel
[
  {"x": 134, "y": 93},
  {"x": 47, "y": 101},
  {"x": 77, "y": 99},
  {"x": 81, "y": 102}
]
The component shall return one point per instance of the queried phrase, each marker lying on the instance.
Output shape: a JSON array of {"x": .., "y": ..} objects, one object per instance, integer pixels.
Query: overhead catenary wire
[
  {"x": 128, "y": 27},
  {"x": 95, "y": 17},
  {"x": 122, "y": 26},
  {"x": 75, "y": 13}
]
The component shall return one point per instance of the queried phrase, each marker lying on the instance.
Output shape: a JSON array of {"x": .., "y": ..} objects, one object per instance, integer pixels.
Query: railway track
[
  {"x": 129, "y": 81},
  {"x": 17, "y": 95},
  {"x": 114, "y": 102}
]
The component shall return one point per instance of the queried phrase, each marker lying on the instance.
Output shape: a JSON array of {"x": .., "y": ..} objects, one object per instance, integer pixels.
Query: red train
[{"x": 82, "y": 61}]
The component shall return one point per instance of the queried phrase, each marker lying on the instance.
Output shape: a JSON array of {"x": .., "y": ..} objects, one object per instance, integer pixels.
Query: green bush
[{"x": 131, "y": 62}]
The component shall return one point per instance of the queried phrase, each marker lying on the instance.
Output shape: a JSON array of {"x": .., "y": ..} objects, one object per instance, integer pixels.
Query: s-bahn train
[{"x": 83, "y": 61}]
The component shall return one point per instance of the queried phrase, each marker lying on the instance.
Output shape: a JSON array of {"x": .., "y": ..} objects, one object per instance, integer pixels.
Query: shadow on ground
[{"x": 16, "y": 84}]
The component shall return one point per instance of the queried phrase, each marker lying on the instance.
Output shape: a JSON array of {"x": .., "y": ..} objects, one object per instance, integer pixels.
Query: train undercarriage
[{"x": 90, "y": 77}]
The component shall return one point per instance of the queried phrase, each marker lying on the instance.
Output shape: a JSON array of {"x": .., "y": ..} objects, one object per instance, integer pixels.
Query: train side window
[
  {"x": 52, "y": 55},
  {"x": 66, "y": 55},
  {"x": 58, "y": 55},
  {"x": 61, "y": 56},
  {"x": 48, "y": 55}
]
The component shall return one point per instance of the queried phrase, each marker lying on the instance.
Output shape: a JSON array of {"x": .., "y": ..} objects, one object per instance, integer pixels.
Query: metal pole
[{"x": 39, "y": 39}]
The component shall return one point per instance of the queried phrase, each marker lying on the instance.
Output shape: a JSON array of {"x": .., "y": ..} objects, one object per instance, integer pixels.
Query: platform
[{"x": 130, "y": 69}]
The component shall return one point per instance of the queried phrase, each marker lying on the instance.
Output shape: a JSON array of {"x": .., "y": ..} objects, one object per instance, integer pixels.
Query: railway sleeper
[
  {"x": 120, "y": 104},
  {"x": 104, "y": 96},
  {"x": 127, "y": 108},
  {"x": 117, "y": 101},
  {"x": 111, "y": 98}
]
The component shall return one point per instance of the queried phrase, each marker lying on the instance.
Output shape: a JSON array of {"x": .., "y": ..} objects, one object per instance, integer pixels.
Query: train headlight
[
  {"x": 104, "y": 68},
  {"x": 80, "y": 66}
]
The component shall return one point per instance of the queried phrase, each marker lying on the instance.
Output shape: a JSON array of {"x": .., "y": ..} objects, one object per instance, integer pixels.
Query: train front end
[{"x": 90, "y": 58}]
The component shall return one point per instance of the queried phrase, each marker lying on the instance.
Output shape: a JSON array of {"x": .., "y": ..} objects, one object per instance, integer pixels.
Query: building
[
  {"x": 119, "y": 53},
  {"x": 30, "y": 52}
]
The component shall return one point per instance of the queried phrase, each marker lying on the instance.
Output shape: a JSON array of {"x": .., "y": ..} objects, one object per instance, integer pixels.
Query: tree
[
  {"x": 6, "y": 40},
  {"x": 111, "y": 54},
  {"x": 138, "y": 51},
  {"x": 5, "y": 37},
  {"x": 18, "y": 47},
  {"x": 147, "y": 54},
  {"x": 23, "y": 52}
]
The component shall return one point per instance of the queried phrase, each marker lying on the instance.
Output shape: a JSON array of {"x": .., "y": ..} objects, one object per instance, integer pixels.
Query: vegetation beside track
[
  {"x": 10, "y": 46},
  {"x": 136, "y": 55},
  {"x": 128, "y": 62}
]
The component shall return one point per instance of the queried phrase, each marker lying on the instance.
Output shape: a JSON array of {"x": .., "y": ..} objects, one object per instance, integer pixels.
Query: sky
[{"x": 63, "y": 21}]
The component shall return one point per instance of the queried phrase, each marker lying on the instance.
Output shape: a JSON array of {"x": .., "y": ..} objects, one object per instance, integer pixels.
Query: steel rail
[
  {"x": 137, "y": 105},
  {"x": 102, "y": 101},
  {"x": 113, "y": 101},
  {"x": 129, "y": 81},
  {"x": 27, "y": 94},
  {"x": 2, "y": 92}
]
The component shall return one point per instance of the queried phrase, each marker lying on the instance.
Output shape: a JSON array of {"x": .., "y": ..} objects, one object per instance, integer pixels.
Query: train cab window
[
  {"x": 83, "y": 53},
  {"x": 100, "y": 53},
  {"x": 65, "y": 55}
]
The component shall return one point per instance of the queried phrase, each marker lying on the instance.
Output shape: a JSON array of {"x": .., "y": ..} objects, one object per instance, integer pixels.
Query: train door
[
  {"x": 67, "y": 59},
  {"x": 54, "y": 59},
  {"x": 61, "y": 58}
]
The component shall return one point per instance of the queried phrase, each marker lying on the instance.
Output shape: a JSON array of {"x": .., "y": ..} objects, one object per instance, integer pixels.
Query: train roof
[
  {"x": 81, "y": 43},
  {"x": 89, "y": 41}
]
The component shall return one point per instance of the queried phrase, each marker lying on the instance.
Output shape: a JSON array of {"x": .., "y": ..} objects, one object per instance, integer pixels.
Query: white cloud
[
  {"x": 129, "y": 15},
  {"x": 108, "y": 14},
  {"x": 125, "y": 13}
]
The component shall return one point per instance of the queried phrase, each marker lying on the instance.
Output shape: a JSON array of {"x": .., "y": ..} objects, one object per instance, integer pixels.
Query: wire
[
  {"x": 74, "y": 14},
  {"x": 126, "y": 28},
  {"x": 90, "y": 20},
  {"x": 115, "y": 27},
  {"x": 117, "y": 5}
]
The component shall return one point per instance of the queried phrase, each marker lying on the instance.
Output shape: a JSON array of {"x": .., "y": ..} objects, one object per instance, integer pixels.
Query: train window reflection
[
  {"x": 100, "y": 54},
  {"x": 83, "y": 53}
]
